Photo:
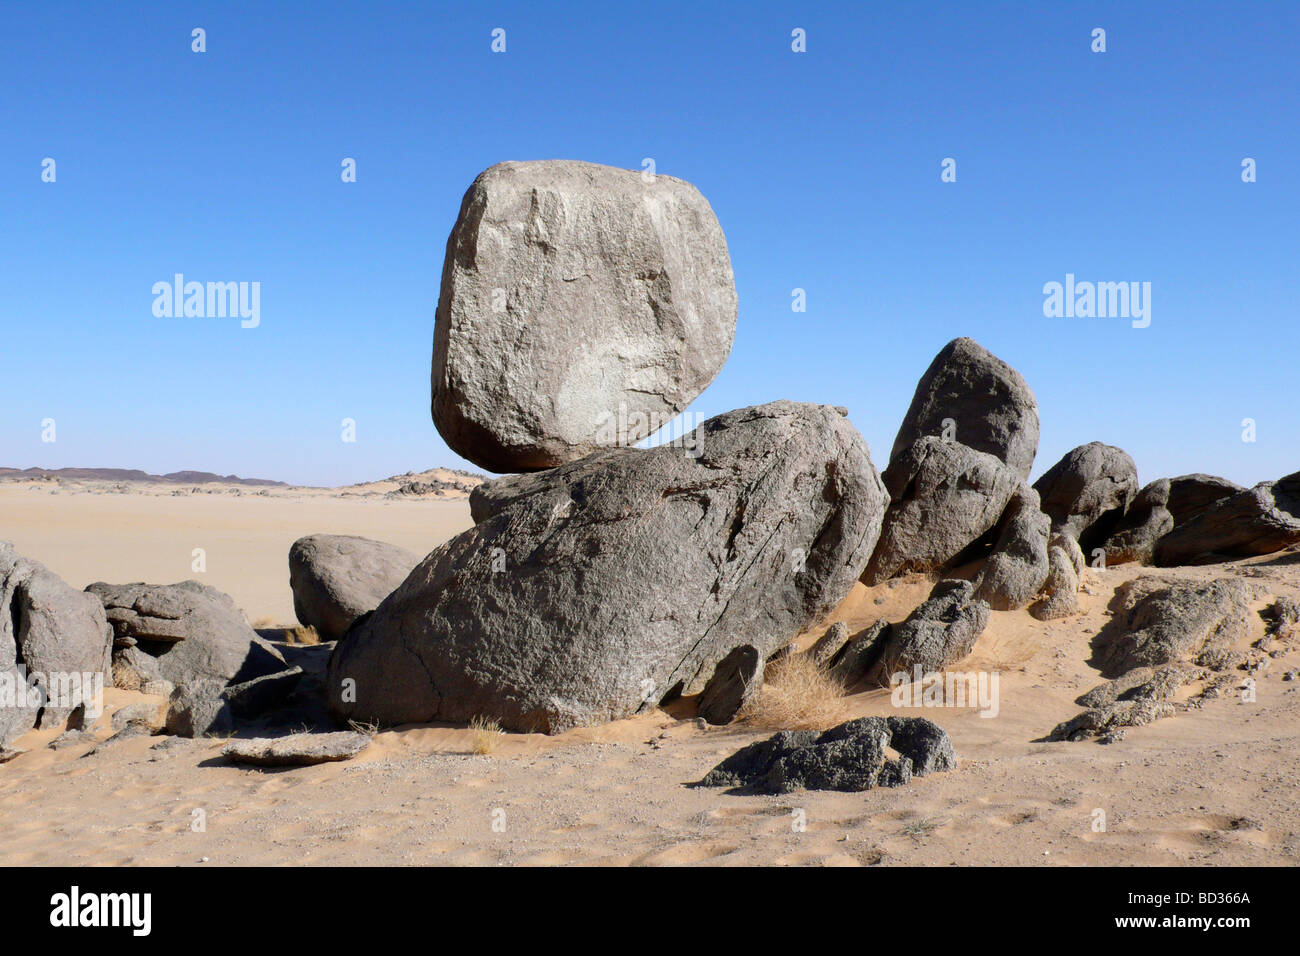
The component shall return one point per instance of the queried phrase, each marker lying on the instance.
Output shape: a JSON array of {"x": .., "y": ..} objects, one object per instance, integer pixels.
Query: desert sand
[
  {"x": 100, "y": 531},
  {"x": 1214, "y": 785}
]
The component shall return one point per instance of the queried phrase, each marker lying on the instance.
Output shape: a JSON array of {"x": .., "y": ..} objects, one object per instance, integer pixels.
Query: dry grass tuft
[
  {"x": 796, "y": 695},
  {"x": 301, "y": 635},
  {"x": 485, "y": 735},
  {"x": 293, "y": 634}
]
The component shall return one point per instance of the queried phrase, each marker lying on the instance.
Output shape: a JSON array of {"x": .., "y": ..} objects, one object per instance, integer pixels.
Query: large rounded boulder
[
  {"x": 1087, "y": 492},
  {"x": 335, "y": 578},
  {"x": 971, "y": 396},
  {"x": 944, "y": 496},
  {"x": 582, "y": 307},
  {"x": 188, "y": 631},
  {"x": 55, "y": 646},
  {"x": 609, "y": 584}
]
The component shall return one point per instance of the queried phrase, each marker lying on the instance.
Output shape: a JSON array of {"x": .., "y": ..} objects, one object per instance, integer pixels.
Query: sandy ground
[
  {"x": 1210, "y": 786},
  {"x": 149, "y": 535}
]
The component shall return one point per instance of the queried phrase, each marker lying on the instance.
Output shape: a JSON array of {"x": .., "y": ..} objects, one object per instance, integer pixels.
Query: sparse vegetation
[
  {"x": 291, "y": 634},
  {"x": 485, "y": 735},
  {"x": 301, "y": 635},
  {"x": 796, "y": 695},
  {"x": 920, "y": 829}
]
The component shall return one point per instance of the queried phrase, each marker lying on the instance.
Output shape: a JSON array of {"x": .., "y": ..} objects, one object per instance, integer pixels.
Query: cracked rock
[{"x": 591, "y": 591}]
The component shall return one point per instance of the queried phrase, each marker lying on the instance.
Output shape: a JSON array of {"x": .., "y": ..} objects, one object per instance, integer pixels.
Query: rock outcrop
[
  {"x": 850, "y": 757},
  {"x": 1159, "y": 621},
  {"x": 1060, "y": 594},
  {"x": 296, "y": 750},
  {"x": 193, "y": 632},
  {"x": 1147, "y": 520},
  {"x": 736, "y": 680},
  {"x": 941, "y": 631},
  {"x": 590, "y": 591},
  {"x": 1189, "y": 495},
  {"x": 970, "y": 396},
  {"x": 1017, "y": 567},
  {"x": 1260, "y": 520}
]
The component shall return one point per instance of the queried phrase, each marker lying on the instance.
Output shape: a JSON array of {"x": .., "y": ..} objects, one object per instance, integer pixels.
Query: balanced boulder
[
  {"x": 582, "y": 307},
  {"x": 194, "y": 632},
  {"x": 603, "y": 586},
  {"x": 1087, "y": 492},
  {"x": 336, "y": 578},
  {"x": 971, "y": 396},
  {"x": 1260, "y": 520},
  {"x": 943, "y": 497}
]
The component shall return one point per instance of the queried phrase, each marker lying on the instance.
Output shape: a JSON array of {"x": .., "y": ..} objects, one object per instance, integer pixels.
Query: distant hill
[{"x": 134, "y": 474}]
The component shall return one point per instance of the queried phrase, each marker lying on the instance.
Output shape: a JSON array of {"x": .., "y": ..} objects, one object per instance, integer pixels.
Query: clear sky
[{"x": 823, "y": 168}]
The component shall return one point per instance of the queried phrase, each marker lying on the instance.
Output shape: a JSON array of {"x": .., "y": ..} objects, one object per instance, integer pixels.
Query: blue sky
[{"x": 823, "y": 168}]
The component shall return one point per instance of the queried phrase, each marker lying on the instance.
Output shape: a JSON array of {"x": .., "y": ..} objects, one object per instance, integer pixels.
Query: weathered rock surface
[
  {"x": 850, "y": 757},
  {"x": 856, "y": 659},
  {"x": 1140, "y": 697},
  {"x": 262, "y": 694},
  {"x": 943, "y": 497},
  {"x": 737, "y": 678},
  {"x": 1087, "y": 491},
  {"x": 1165, "y": 634},
  {"x": 199, "y": 709},
  {"x": 1159, "y": 621},
  {"x": 1260, "y": 520},
  {"x": 1016, "y": 569},
  {"x": 1189, "y": 495},
  {"x": 336, "y": 578},
  {"x": 830, "y": 644},
  {"x": 54, "y": 640},
  {"x": 1060, "y": 596},
  {"x": 193, "y": 631},
  {"x": 991, "y": 408},
  {"x": 297, "y": 750},
  {"x": 1147, "y": 520},
  {"x": 589, "y": 591},
  {"x": 133, "y": 669},
  {"x": 582, "y": 306},
  {"x": 940, "y": 632}
]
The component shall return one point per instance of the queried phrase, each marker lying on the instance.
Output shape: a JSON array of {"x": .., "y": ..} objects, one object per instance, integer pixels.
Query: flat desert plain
[{"x": 1215, "y": 784}]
